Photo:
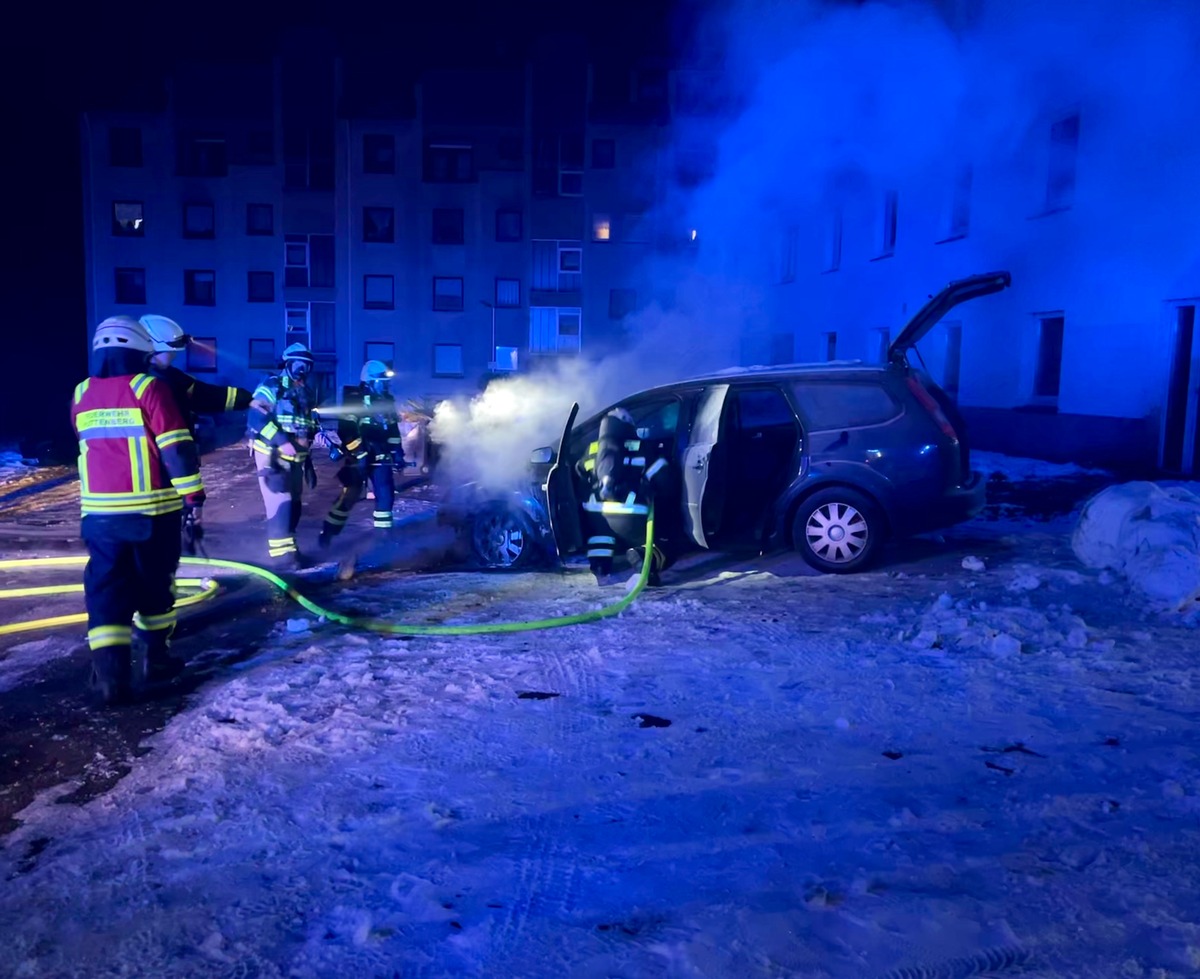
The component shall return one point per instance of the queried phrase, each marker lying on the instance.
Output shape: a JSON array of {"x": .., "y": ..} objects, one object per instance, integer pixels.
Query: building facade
[{"x": 480, "y": 222}]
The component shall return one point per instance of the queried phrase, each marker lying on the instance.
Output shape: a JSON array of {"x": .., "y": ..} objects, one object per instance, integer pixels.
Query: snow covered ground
[
  {"x": 980, "y": 756},
  {"x": 13, "y": 465}
]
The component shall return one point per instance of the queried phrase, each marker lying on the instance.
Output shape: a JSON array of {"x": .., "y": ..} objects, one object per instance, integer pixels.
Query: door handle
[{"x": 699, "y": 464}]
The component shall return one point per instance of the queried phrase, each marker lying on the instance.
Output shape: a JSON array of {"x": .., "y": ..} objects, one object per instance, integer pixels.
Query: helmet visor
[{"x": 179, "y": 342}]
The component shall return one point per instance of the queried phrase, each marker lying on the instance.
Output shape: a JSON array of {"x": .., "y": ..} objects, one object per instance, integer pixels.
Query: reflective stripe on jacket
[
  {"x": 287, "y": 416},
  {"x": 136, "y": 455}
]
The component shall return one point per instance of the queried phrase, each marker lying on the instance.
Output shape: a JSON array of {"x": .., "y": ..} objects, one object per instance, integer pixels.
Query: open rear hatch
[{"x": 928, "y": 316}]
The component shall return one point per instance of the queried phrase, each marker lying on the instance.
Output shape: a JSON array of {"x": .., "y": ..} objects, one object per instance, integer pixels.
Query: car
[{"x": 830, "y": 459}]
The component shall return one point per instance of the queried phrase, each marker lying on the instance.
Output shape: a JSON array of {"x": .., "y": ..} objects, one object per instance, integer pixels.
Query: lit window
[
  {"x": 601, "y": 228},
  {"x": 127, "y": 219}
]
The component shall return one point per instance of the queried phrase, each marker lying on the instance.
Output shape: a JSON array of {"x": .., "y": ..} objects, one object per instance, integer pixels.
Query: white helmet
[
  {"x": 122, "y": 333},
  {"x": 375, "y": 370},
  {"x": 168, "y": 336}
]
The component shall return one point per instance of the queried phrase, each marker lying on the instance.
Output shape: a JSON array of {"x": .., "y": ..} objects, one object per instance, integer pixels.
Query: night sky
[{"x": 61, "y": 63}]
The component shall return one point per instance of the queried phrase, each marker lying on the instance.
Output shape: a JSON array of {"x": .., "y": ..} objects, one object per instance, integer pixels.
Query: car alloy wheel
[{"x": 500, "y": 539}]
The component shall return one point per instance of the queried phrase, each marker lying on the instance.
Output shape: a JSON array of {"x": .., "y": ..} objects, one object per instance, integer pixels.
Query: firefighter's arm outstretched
[
  {"x": 214, "y": 399},
  {"x": 260, "y": 420},
  {"x": 180, "y": 458}
]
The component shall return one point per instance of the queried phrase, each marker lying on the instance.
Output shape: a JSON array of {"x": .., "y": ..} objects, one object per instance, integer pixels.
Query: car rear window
[{"x": 840, "y": 404}]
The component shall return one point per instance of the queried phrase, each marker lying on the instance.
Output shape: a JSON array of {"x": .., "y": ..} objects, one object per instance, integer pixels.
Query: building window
[
  {"x": 831, "y": 345},
  {"x": 379, "y": 292},
  {"x": 449, "y": 164},
  {"x": 295, "y": 260},
  {"x": 127, "y": 219},
  {"x": 604, "y": 154},
  {"x": 1049, "y": 357},
  {"x": 508, "y": 225},
  {"x": 506, "y": 359},
  {"x": 202, "y": 355},
  {"x": 379, "y": 153},
  {"x": 124, "y": 146},
  {"x": 887, "y": 245},
  {"x": 323, "y": 319},
  {"x": 201, "y": 155},
  {"x": 601, "y": 227},
  {"x": 261, "y": 356},
  {"x": 379, "y": 224},
  {"x": 380, "y": 350},
  {"x": 570, "y": 183},
  {"x": 555, "y": 329},
  {"x": 447, "y": 294},
  {"x": 508, "y": 292},
  {"x": 260, "y": 287},
  {"x": 570, "y": 259},
  {"x": 260, "y": 219},
  {"x": 621, "y": 302},
  {"x": 1064, "y": 149},
  {"x": 130, "y": 287},
  {"x": 198, "y": 221},
  {"x": 447, "y": 360},
  {"x": 296, "y": 324},
  {"x": 448, "y": 226},
  {"x": 199, "y": 287}
]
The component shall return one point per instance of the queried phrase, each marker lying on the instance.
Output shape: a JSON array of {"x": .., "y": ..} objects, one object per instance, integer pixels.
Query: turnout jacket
[
  {"x": 281, "y": 411},
  {"x": 373, "y": 431},
  {"x": 615, "y": 465},
  {"x": 136, "y": 454},
  {"x": 199, "y": 398}
]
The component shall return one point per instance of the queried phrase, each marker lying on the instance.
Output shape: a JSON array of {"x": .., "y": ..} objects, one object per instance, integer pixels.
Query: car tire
[
  {"x": 502, "y": 538},
  {"x": 837, "y": 530}
]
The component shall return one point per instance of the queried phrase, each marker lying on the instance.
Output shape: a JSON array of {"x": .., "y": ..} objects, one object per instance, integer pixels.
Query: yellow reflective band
[
  {"x": 167, "y": 439},
  {"x": 104, "y": 636},
  {"x": 351, "y": 446},
  {"x": 593, "y": 448},
  {"x": 269, "y": 431},
  {"x": 589, "y": 465},
  {"x": 264, "y": 393},
  {"x": 230, "y": 398},
  {"x": 139, "y": 385},
  {"x": 137, "y": 471},
  {"x": 83, "y": 468},
  {"x": 81, "y": 389},
  {"x": 110, "y": 418},
  {"x": 186, "y": 485}
]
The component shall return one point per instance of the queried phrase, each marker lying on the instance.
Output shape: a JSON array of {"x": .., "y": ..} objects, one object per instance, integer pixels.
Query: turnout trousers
[{"x": 354, "y": 478}]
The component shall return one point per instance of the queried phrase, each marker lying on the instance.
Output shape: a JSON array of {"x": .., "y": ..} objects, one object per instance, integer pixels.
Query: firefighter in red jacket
[{"x": 138, "y": 471}]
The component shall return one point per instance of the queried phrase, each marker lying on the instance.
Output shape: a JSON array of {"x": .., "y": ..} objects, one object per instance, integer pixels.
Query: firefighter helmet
[
  {"x": 168, "y": 336},
  {"x": 374, "y": 371},
  {"x": 622, "y": 414},
  {"x": 122, "y": 333},
  {"x": 297, "y": 353}
]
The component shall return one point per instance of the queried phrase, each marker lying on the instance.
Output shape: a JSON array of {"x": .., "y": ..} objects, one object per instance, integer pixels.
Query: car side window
[
  {"x": 762, "y": 408},
  {"x": 656, "y": 419},
  {"x": 827, "y": 405}
]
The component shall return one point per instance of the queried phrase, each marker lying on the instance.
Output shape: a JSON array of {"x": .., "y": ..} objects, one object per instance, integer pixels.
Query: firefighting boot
[
  {"x": 112, "y": 675},
  {"x": 153, "y": 663}
]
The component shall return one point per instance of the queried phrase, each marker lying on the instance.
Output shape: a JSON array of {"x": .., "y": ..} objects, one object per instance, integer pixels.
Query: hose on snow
[{"x": 208, "y": 588}]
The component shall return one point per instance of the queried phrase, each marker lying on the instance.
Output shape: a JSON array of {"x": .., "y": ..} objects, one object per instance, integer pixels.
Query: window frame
[
  {"x": 461, "y": 372},
  {"x": 379, "y": 303},
  {"x": 461, "y": 294},
  {"x": 139, "y": 230},
  {"x": 189, "y": 283},
  {"x": 255, "y": 361},
  {"x": 206, "y": 346},
  {"x": 496, "y": 293},
  {"x": 191, "y": 206},
  {"x": 501, "y": 212},
  {"x": 270, "y": 212},
  {"x": 367, "y": 158},
  {"x": 462, "y": 226},
  {"x": 391, "y": 227}
]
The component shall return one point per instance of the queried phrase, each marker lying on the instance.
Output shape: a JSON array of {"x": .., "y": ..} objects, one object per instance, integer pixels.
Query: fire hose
[{"x": 207, "y": 588}]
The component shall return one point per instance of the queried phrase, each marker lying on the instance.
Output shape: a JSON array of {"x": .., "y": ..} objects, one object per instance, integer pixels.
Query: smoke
[{"x": 825, "y": 105}]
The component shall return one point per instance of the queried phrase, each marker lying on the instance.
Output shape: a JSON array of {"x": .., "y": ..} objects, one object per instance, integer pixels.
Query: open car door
[
  {"x": 703, "y": 469},
  {"x": 562, "y": 505},
  {"x": 928, "y": 316}
]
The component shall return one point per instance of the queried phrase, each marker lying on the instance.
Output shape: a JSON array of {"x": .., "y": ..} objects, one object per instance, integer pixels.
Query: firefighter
[
  {"x": 138, "y": 470},
  {"x": 281, "y": 427},
  {"x": 195, "y": 397},
  {"x": 621, "y": 491},
  {"x": 370, "y": 449}
]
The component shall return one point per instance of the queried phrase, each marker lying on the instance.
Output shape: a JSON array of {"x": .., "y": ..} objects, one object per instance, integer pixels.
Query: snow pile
[
  {"x": 999, "y": 631},
  {"x": 1017, "y": 469},
  {"x": 1148, "y": 533}
]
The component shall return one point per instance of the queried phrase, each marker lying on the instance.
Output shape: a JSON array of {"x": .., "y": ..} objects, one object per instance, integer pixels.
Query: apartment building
[{"x": 472, "y": 223}]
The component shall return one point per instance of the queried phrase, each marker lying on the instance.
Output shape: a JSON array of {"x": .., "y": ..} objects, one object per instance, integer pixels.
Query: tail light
[{"x": 934, "y": 409}]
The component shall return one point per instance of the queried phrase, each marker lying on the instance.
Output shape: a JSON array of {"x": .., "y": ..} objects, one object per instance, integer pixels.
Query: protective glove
[
  {"x": 193, "y": 527},
  {"x": 310, "y": 473}
]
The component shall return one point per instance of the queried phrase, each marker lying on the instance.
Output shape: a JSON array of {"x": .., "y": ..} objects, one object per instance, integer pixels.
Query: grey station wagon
[{"x": 829, "y": 459}]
